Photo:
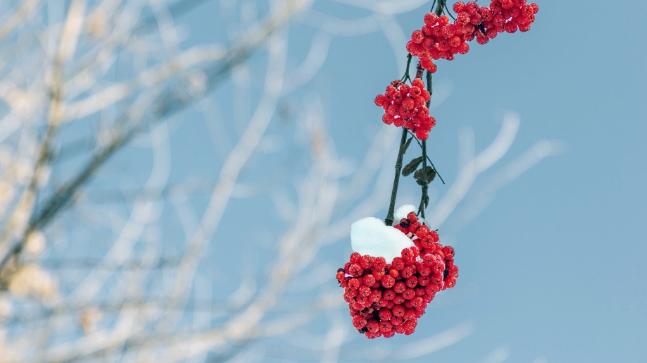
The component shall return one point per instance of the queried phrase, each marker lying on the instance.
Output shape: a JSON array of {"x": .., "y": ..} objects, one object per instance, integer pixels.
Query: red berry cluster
[
  {"x": 406, "y": 106},
  {"x": 388, "y": 298},
  {"x": 440, "y": 39}
]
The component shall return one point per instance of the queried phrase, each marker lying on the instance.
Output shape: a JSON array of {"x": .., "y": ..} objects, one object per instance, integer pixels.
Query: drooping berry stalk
[
  {"x": 424, "y": 193},
  {"x": 396, "y": 179},
  {"x": 441, "y": 38},
  {"x": 440, "y": 5}
]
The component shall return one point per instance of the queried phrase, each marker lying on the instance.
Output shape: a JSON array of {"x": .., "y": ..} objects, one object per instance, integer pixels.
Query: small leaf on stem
[
  {"x": 412, "y": 166},
  {"x": 425, "y": 175}
]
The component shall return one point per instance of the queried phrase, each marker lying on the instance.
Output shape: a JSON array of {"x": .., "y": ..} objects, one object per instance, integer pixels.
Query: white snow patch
[
  {"x": 370, "y": 236},
  {"x": 403, "y": 211}
]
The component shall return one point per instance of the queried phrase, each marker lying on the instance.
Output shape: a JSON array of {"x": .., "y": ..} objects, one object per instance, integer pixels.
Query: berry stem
[
  {"x": 440, "y": 6},
  {"x": 419, "y": 71},
  {"x": 406, "y": 77},
  {"x": 428, "y": 158},
  {"x": 449, "y": 12},
  {"x": 424, "y": 193},
  {"x": 396, "y": 179}
]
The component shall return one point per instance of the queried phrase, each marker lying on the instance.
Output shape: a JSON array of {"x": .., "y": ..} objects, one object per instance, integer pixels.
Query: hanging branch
[
  {"x": 427, "y": 173},
  {"x": 396, "y": 179}
]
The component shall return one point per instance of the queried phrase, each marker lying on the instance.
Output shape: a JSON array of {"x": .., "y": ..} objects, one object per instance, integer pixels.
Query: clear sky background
[{"x": 554, "y": 269}]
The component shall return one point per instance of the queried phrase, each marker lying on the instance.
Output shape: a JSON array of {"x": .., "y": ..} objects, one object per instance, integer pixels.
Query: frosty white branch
[{"x": 164, "y": 106}]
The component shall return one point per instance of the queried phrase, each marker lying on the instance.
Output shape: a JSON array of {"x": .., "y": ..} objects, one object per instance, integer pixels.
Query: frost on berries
[
  {"x": 441, "y": 39},
  {"x": 403, "y": 211},
  {"x": 387, "y": 297}
]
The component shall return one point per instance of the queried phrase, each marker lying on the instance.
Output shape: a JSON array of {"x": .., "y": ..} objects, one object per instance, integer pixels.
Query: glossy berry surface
[
  {"x": 442, "y": 38},
  {"x": 406, "y": 106}
]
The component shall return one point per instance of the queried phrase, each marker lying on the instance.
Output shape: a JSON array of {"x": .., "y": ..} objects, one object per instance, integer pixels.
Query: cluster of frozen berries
[
  {"x": 406, "y": 106},
  {"x": 388, "y": 298},
  {"x": 428, "y": 243},
  {"x": 441, "y": 39}
]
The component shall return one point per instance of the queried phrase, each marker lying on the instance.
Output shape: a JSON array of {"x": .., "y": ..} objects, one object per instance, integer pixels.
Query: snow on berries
[
  {"x": 403, "y": 211},
  {"x": 406, "y": 106},
  {"x": 370, "y": 236},
  {"x": 441, "y": 39},
  {"x": 386, "y": 297}
]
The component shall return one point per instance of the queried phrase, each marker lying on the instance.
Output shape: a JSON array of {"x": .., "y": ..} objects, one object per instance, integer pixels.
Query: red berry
[
  {"x": 353, "y": 284},
  {"x": 388, "y": 281},
  {"x": 355, "y": 269},
  {"x": 398, "y": 311},
  {"x": 385, "y": 314},
  {"x": 399, "y": 287}
]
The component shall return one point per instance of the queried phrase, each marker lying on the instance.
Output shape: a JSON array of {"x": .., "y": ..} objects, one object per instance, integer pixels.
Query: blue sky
[{"x": 553, "y": 270}]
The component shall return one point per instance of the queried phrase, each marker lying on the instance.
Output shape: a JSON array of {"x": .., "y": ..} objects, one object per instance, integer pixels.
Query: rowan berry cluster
[
  {"x": 428, "y": 242},
  {"x": 441, "y": 39},
  {"x": 406, "y": 106},
  {"x": 388, "y": 298}
]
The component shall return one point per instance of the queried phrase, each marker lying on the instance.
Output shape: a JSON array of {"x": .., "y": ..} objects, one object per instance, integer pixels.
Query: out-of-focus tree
[{"x": 98, "y": 264}]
